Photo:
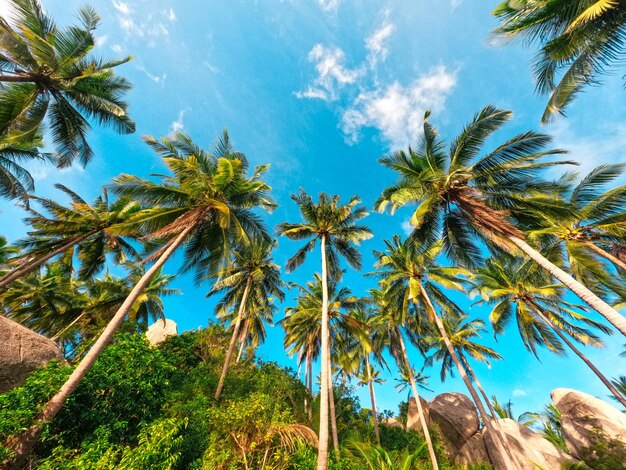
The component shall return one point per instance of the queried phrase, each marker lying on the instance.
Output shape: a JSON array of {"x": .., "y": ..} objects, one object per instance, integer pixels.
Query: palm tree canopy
[
  {"x": 48, "y": 71},
  {"x": 334, "y": 222},
  {"x": 207, "y": 193},
  {"x": 94, "y": 227},
  {"x": 514, "y": 288},
  {"x": 580, "y": 40},
  {"x": 461, "y": 196},
  {"x": 15, "y": 180}
]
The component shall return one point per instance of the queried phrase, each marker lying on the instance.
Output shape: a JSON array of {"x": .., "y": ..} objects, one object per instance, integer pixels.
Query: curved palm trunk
[
  {"x": 16, "y": 79},
  {"x": 420, "y": 411},
  {"x": 576, "y": 351},
  {"x": 606, "y": 255},
  {"x": 243, "y": 342},
  {"x": 22, "y": 445},
  {"x": 470, "y": 371},
  {"x": 591, "y": 299},
  {"x": 370, "y": 384},
  {"x": 322, "y": 449},
  {"x": 331, "y": 405},
  {"x": 497, "y": 436},
  {"x": 30, "y": 267},
  {"x": 55, "y": 337},
  {"x": 233, "y": 339}
]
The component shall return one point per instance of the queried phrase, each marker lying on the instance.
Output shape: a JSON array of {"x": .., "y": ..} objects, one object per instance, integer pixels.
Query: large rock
[
  {"x": 393, "y": 423},
  {"x": 456, "y": 417},
  {"x": 21, "y": 351},
  {"x": 160, "y": 330},
  {"x": 586, "y": 419},
  {"x": 473, "y": 451},
  {"x": 413, "y": 419},
  {"x": 529, "y": 448}
]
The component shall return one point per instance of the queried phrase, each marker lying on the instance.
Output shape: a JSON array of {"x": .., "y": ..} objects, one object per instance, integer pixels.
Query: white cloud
[
  {"x": 377, "y": 43},
  {"x": 178, "y": 125},
  {"x": 329, "y": 6},
  {"x": 397, "y": 111},
  {"x": 142, "y": 25},
  {"x": 170, "y": 15},
  {"x": 407, "y": 228},
  {"x": 122, "y": 7},
  {"x": 117, "y": 48},
  {"x": 332, "y": 73},
  {"x": 101, "y": 40},
  {"x": 159, "y": 79},
  {"x": 519, "y": 392}
]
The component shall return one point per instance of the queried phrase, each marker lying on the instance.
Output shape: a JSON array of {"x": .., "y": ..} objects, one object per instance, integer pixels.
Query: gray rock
[
  {"x": 22, "y": 351},
  {"x": 586, "y": 419},
  {"x": 530, "y": 449},
  {"x": 473, "y": 451},
  {"x": 457, "y": 419},
  {"x": 160, "y": 330},
  {"x": 413, "y": 420}
]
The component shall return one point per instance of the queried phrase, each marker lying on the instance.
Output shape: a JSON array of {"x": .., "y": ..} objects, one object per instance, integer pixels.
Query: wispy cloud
[
  {"x": 407, "y": 228},
  {"x": 397, "y": 111},
  {"x": 332, "y": 73},
  {"x": 142, "y": 25},
  {"x": 519, "y": 392},
  {"x": 329, "y": 6},
  {"x": 377, "y": 43},
  {"x": 169, "y": 14},
  {"x": 159, "y": 79},
  {"x": 178, "y": 125}
]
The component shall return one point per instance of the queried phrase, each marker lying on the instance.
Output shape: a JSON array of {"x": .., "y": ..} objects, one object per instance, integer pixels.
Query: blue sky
[{"x": 320, "y": 89}]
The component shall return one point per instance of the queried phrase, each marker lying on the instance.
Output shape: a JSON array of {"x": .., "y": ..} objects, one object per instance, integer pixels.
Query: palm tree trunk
[
  {"x": 606, "y": 255},
  {"x": 22, "y": 445},
  {"x": 309, "y": 372},
  {"x": 591, "y": 299},
  {"x": 497, "y": 436},
  {"x": 30, "y": 267},
  {"x": 243, "y": 341},
  {"x": 322, "y": 448},
  {"x": 470, "y": 371},
  {"x": 55, "y": 337},
  {"x": 16, "y": 79},
  {"x": 233, "y": 339},
  {"x": 576, "y": 351},
  {"x": 331, "y": 405},
  {"x": 370, "y": 384},
  {"x": 420, "y": 411}
]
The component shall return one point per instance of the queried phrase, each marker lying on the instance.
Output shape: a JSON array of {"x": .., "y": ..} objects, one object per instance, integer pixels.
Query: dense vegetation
[{"x": 489, "y": 221}]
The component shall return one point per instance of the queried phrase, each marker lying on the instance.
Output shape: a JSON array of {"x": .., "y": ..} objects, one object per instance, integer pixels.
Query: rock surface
[
  {"x": 413, "y": 419},
  {"x": 457, "y": 419},
  {"x": 160, "y": 330},
  {"x": 583, "y": 416},
  {"x": 393, "y": 423},
  {"x": 22, "y": 351},
  {"x": 529, "y": 448},
  {"x": 473, "y": 451}
]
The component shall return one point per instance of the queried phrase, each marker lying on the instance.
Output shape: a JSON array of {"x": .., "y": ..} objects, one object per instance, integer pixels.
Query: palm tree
[
  {"x": 15, "y": 180},
  {"x": 597, "y": 228},
  {"x": 413, "y": 277},
  {"x": 91, "y": 229},
  {"x": 206, "y": 203},
  {"x": 517, "y": 290},
  {"x": 249, "y": 280},
  {"x": 48, "y": 71},
  {"x": 253, "y": 332},
  {"x": 335, "y": 226},
  {"x": 463, "y": 334},
  {"x": 7, "y": 252},
  {"x": 461, "y": 197},
  {"x": 392, "y": 314},
  {"x": 580, "y": 40},
  {"x": 620, "y": 384},
  {"x": 377, "y": 458}
]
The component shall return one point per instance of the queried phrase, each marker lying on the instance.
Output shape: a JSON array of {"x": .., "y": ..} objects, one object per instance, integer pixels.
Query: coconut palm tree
[
  {"x": 517, "y": 290},
  {"x": 579, "y": 40},
  {"x": 336, "y": 227},
  {"x": 89, "y": 229},
  {"x": 47, "y": 71},
  {"x": 253, "y": 332},
  {"x": 462, "y": 198},
  {"x": 463, "y": 334},
  {"x": 594, "y": 234},
  {"x": 7, "y": 252},
  {"x": 413, "y": 277},
  {"x": 15, "y": 180},
  {"x": 392, "y": 315},
  {"x": 248, "y": 281},
  {"x": 206, "y": 203}
]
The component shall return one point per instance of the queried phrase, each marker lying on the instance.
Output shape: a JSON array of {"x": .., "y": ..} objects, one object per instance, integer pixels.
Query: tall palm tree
[
  {"x": 392, "y": 315},
  {"x": 47, "y": 71},
  {"x": 594, "y": 231},
  {"x": 15, "y": 180},
  {"x": 579, "y": 39},
  {"x": 461, "y": 198},
  {"x": 413, "y": 277},
  {"x": 517, "y": 290},
  {"x": 336, "y": 227},
  {"x": 7, "y": 252},
  {"x": 249, "y": 280},
  {"x": 90, "y": 229},
  {"x": 463, "y": 334},
  {"x": 206, "y": 203},
  {"x": 253, "y": 332}
]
